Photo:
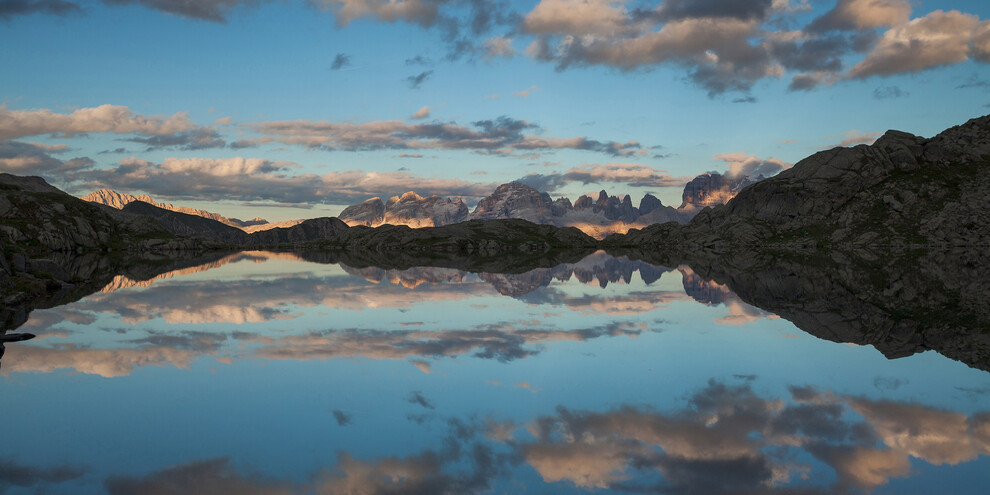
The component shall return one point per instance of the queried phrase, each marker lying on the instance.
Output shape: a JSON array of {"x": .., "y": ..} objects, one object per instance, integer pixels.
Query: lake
[{"x": 263, "y": 372}]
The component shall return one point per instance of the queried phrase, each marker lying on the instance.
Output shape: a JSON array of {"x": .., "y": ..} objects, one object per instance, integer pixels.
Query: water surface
[{"x": 264, "y": 373}]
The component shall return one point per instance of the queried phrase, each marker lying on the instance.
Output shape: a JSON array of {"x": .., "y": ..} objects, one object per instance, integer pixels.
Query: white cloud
[
  {"x": 104, "y": 118},
  {"x": 939, "y": 38}
]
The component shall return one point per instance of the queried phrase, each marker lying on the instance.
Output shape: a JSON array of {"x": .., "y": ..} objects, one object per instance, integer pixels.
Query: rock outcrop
[
  {"x": 38, "y": 218},
  {"x": 903, "y": 191},
  {"x": 899, "y": 303}
]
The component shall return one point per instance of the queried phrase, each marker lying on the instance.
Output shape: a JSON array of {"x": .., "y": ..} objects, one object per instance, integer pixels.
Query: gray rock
[
  {"x": 18, "y": 262},
  {"x": 47, "y": 269},
  {"x": 370, "y": 213}
]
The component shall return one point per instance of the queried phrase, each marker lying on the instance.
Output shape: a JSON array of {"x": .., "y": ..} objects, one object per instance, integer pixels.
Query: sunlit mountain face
[{"x": 262, "y": 372}]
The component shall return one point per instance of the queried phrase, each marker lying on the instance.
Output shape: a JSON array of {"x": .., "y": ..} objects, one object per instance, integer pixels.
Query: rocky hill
[
  {"x": 36, "y": 217},
  {"x": 903, "y": 191},
  {"x": 188, "y": 225},
  {"x": 119, "y": 201}
]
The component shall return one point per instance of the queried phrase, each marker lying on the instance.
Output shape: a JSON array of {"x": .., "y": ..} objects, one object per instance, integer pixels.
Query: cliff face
[{"x": 903, "y": 190}]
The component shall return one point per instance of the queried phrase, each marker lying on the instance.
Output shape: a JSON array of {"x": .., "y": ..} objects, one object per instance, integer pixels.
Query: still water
[{"x": 265, "y": 373}]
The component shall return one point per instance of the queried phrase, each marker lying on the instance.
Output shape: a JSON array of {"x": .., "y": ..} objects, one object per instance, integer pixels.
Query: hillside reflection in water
[{"x": 264, "y": 373}]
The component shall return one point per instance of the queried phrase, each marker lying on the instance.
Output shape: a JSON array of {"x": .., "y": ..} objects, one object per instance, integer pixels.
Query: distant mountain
[
  {"x": 713, "y": 189},
  {"x": 120, "y": 200},
  {"x": 606, "y": 215},
  {"x": 408, "y": 209}
]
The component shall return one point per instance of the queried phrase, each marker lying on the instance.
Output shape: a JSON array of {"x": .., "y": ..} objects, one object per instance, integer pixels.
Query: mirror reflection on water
[{"x": 264, "y": 372}]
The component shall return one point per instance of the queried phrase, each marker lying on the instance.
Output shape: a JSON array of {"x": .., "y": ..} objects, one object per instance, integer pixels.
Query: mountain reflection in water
[{"x": 262, "y": 372}]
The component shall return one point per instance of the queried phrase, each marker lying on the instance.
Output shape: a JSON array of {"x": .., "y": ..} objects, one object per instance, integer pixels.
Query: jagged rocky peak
[
  {"x": 613, "y": 208},
  {"x": 515, "y": 200},
  {"x": 561, "y": 206},
  {"x": 416, "y": 211},
  {"x": 583, "y": 202},
  {"x": 713, "y": 189},
  {"x": 371, "y": 212},
  {"x": 407, "y": 197},
  {"x": 648, "y": 204},
  {"x": 115, "y": 199}
]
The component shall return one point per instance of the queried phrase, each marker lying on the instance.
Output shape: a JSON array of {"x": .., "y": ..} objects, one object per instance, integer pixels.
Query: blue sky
[{"x": 310, "y": 105}]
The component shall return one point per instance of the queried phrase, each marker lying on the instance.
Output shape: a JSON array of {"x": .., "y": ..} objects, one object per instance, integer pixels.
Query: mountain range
[
  {"x": 597, "y": 217},
  {"x": 882, "y": 244},
  {"x": 902, "y": 192}
]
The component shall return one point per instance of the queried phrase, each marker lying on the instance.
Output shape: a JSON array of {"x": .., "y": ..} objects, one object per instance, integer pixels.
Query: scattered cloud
[
  {"x": 206, "y": 10},
  {"x": 15, "y": 474},
  {"x": 526, "y": 92},
  {"x": 424, "y": 366},
  {"x": 197, "y": 139},
  {"x": 726, "y": 439},
  {"x": 11, "y": 8},
  {"x": 418, "y": 399},
  {"x": 888, "y": 383},
  {"x": 418, "y": 60},
  {"x": 102, "y": 119},
  {"x": 888, "y": 92},
  {"x": 340, "y": 61},
  {"x": 720, "y": 45},
  {"x": 501, "y": 136},
  {"x": 859, "y": 15},
  {"x": 854, "y": 137},
  {"x": 939, "y": 38},
  {"x": 254, "y": 179},
  {"x": 212, "y": 476},
  {"x": 975, "y": 82},
  {"x": 740, "y": 164},
  {"x": 673, "y": 10},
  {"x": 631, "y": 174},
  {"x": 25, "y": 158},
  {"x": 342, "y": 418},
  {"x": 499, "y": 47},
  {"x": 415, "y": 81},
  {"x": 422, "y": 113}
]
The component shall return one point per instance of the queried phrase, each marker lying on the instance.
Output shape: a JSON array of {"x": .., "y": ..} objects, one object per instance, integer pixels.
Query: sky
[{"x": 297, "y": 108}]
